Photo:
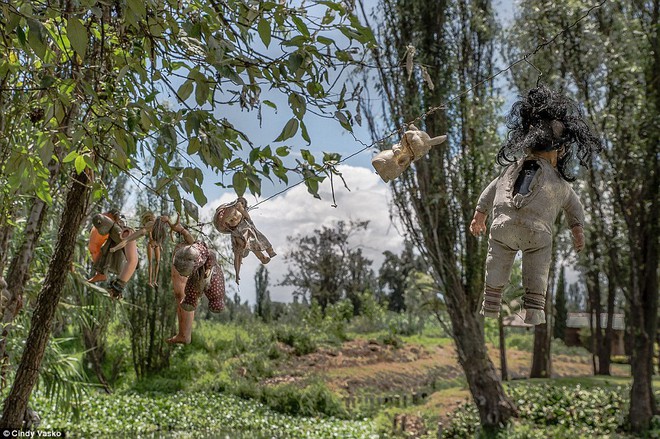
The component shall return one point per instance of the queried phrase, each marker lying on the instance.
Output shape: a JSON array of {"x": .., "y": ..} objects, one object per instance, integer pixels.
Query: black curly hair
[{"x": 545, "y": 120}]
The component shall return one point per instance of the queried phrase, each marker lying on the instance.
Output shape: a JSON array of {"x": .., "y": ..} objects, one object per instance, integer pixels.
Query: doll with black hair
[{"x": 545, "y": 130}]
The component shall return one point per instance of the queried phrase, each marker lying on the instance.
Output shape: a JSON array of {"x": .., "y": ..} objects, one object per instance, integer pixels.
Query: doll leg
[
  {"x": 185, "y": 318},
  {"x": 536, "y": 261},
  {"x": 117, "y": 285},
  {"x": 157, "y": 261},
  {"x": 261, "y": 256},
  {"x": 215, "y": 292},
  {"x": 498, "y": 270},
  {"x": 271, "y": 252},
  {"x": 150, "y": 267},
  {"x": 191, "y": 297}
]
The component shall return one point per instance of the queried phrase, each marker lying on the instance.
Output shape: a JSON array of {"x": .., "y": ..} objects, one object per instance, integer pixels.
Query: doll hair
[{"x": 545, "y": 120}]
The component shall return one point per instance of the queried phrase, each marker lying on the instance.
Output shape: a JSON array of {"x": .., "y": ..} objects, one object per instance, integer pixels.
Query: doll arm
[
  {"x": 578, "y": 238},
  {"x": 485, "y": 203},
  {"x": 241, "y": 206},
  {"x": 178, "y": 228},
  {"x": 478, "y": 224},
  {"x": 575, "y": 218},
  {"x": 573, "y": 210},
  {"x": 133, "y": 236}
]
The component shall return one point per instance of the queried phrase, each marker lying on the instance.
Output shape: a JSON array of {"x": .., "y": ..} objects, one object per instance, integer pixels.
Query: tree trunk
[
  {"x": 644, "y": 303},
  {"x": 606, "y": 351},
  {"x": 27, "y": 374},
  {"x": 494, "y": 407},
  {"x": 541, "y": 359},
  {"x": 503, "y": 368}
]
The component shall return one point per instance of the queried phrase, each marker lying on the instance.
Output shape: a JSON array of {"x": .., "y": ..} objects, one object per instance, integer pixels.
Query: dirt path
[{"x": 367, "y": 367}]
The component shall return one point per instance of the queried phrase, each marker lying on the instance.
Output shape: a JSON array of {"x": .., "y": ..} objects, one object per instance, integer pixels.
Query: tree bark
[
  {"x": 27, "y": 374},
  {"x": 503, "y": 368}
]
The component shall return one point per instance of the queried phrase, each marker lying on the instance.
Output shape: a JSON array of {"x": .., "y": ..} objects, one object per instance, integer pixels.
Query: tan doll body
[{"x": 523, "y": 223}]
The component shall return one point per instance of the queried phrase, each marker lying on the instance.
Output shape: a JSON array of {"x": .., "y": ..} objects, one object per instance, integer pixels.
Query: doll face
[
  {"x": 233, "y": 217},
  {"x": 185, "y": 259}
]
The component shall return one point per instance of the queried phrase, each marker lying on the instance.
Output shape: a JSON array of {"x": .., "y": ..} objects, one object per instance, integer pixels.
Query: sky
[{"x": 296, "y": 212}]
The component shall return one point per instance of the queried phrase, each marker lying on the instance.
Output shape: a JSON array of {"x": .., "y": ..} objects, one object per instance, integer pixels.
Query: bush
[
  {"x": 311, "y": 400},
  {"x": 300, "y": 340}
]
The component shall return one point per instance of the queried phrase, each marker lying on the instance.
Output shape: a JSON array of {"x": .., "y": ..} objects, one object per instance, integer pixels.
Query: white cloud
[{"x": 297, "y": 212}]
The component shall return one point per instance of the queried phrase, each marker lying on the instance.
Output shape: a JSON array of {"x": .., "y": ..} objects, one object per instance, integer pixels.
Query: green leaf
[
  {"x": 298, "y": 105},
  {"x": 295, "y": 61},
  {"x": 300, "y": 25},
  {"x": 282, "y": 151},
  {"x": 77, "y": 36},
  {"x": 264, "y": 31},
  {"x": 185, "y": 90},
  {"x": 325, "y": 40},
  {"x": 191, "y": 209},
  {"x": 80, "y": 164},
  {"x": 305, "y": 134},
  {"x": 198, "y": 193},
  {"x": 308, "y": 156},
  {"x": 239, "y": 181},
  {"x": 201, "y": 91},
  {"x": 290, "y": 130},
  {"x": 270, "y": 104},
  {"x": 37, "y": 38},
  {"x": 70, "y": 157}
]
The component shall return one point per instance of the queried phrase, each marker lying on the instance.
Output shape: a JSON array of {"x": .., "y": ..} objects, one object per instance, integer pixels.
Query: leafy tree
[
  {"x": 324, "y": 267},
  {"x": 623, "y": 100},
  {"x": 83, "y": 90},
  {"x": 263, "y": 305},
  {"x": 393, "y": 275},
  {"x": 453, "y": 50},
  {"x": 561, "y": 313}
]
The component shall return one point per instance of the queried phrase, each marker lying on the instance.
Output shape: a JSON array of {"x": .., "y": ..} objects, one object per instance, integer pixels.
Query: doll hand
[
  {"x": 478, "y": 224},
  {"x": 578, "y": 238}
]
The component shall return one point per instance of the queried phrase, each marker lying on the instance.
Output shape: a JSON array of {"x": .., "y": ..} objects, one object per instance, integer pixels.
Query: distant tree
[
  {"x": 561, "y": 312},
  {"x": 263, "y": 305},
  {"x": 394, "y": 274},
  {"x": 325, "y": 268}
]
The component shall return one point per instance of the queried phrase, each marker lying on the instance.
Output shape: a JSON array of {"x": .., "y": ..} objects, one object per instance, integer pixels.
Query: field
[{"x": 280, "y": 381}]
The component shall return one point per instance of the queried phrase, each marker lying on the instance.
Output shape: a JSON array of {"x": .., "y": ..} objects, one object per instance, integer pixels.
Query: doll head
[
  {"x": 227, "y": 217},
  {"x": 147, "y": 217},
  {"x": 545, "y": 120},
  {"x": 189, "y": 257}
]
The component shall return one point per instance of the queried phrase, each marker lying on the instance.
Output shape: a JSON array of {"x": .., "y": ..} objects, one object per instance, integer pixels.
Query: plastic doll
[
  {"x": 199, "y": 264},
  {"x": 233, "y": 218},
  {"x": 525, "y": 200},
  {"x": 108, "y": 231},
  {"x": 415, "y": 144},
  {"x": 156, "y": 231}
]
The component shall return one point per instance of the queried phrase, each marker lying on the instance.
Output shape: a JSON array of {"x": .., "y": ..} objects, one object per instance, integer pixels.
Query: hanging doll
[
  {"x": 415, "y": 144},
  {"x": 184, "y": 318},
  {"x": 233, "y": 218},
  {"x": 107, "y": 231},
  {"x": 156, "y": 231},
  {"x": 525, "y": 200},
  {"x": 199, "y": 264}
]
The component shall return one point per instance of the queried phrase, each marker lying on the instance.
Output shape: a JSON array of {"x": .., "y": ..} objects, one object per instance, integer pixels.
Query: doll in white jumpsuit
[{"x": 527, "y": 197}]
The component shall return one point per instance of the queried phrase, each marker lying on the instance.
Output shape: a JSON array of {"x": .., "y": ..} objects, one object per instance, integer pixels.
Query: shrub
[
  {"x": 300, "y": 340},
  {"x": 312, "y": 400}
]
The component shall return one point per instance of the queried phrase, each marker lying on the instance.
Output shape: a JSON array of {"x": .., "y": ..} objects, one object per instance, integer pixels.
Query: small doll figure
[
  {"x": 525, "y": 200},
  {"x": 156, "y": 231},
  {"x": 415, "y": 144},
  {"x": 233, "y": 218},
  {"x": 109, "y": 230},
  {"x": 199, "y": 264}
]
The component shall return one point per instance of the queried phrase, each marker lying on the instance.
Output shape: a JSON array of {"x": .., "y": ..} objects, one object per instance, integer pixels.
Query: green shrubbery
[{"x": 555, "y": 411}]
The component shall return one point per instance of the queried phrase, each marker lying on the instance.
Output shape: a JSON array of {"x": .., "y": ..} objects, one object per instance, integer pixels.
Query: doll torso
[{"x": 548, "y": 193}]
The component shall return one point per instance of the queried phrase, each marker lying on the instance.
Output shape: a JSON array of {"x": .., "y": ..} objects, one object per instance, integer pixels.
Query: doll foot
[
  {"x": 534, "y": 316},
  {"x": 98, "y": 277},
  {"x": 489, "y": 313},
  {"x": 262, "y": 258},
  {"x": 178, "y": 339},
  {"x": 271, "y": 252}
]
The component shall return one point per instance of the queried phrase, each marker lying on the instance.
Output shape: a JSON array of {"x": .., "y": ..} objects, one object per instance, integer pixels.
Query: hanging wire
[
  {"x": 330, "y": 168},
  {"x": 524, "y": 58}
]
